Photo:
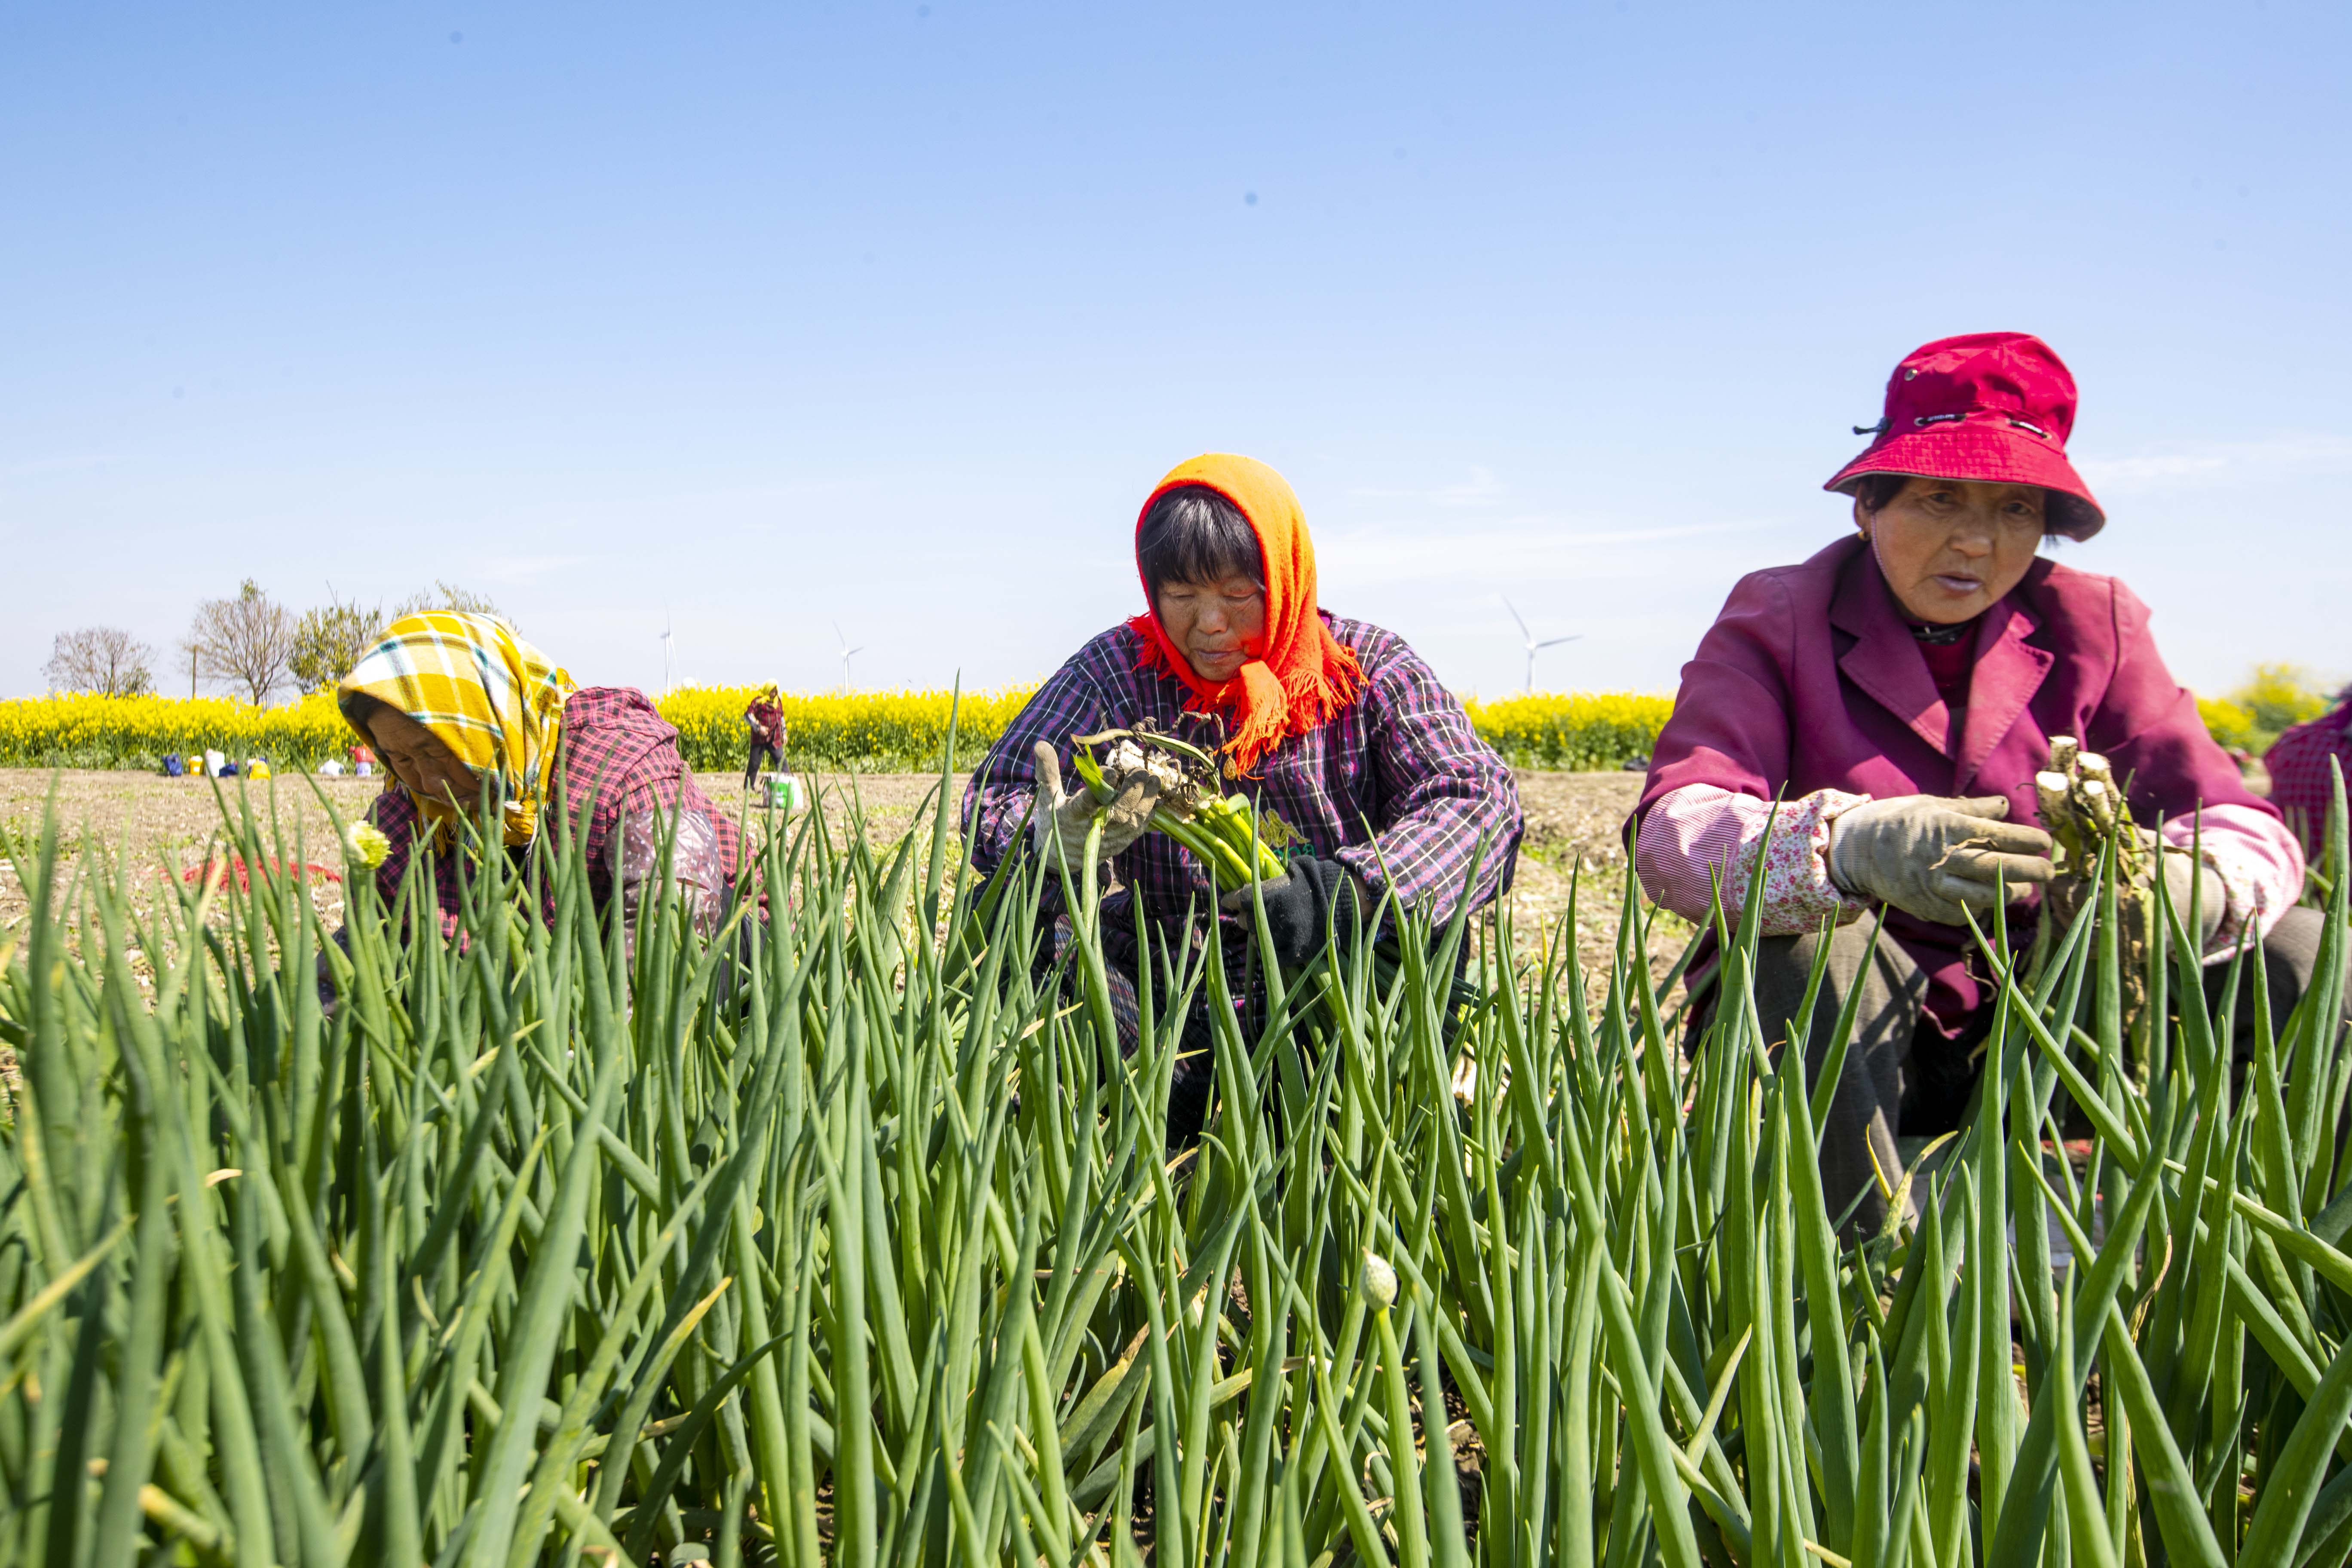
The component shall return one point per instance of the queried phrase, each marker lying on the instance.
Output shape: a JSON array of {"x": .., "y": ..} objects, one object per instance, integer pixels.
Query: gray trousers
[{"x": 1882, "y": 1067}]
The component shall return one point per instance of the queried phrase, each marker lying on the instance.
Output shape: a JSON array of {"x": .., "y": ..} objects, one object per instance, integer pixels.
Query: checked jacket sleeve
[
  {"x": 1398, "y": 787},
  {"x": 1439, "y": 798}
]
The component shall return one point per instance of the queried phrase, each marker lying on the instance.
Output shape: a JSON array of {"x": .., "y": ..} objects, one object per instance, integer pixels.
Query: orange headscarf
[{"x": 1306, "y": 676}]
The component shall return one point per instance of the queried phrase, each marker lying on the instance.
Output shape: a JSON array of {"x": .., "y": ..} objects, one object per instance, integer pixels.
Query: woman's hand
[
  {"x": 1060, "y": 824},
  {"x": 2184, "y": 878},
  {"x": 1301, "y": 902},
  {"x": 1936, "y": 858}
]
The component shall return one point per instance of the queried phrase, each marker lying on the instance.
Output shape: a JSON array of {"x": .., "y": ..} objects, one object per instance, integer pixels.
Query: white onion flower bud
[
  {"x": 1377, "y": 1281},
  {"x": 364, "y": 843}
]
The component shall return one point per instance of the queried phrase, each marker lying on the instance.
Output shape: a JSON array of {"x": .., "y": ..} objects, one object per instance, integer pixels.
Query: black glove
[{"x": 1297, "y": 904}]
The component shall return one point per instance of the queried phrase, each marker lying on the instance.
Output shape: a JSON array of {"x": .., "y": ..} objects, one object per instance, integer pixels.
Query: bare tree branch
[
  {"x": 106, "y": 660},
  {"x": 448, "y": 596},
  {"x": 245, "y": 641}
]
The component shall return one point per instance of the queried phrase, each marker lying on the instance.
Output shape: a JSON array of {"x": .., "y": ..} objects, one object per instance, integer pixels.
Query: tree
[
  {"x": 245, "y": 641},
  {"x": 2279, "y": 697},
  {"x": 447, "y": 596},
  {"x": 105, "y": 661},
  {"x": 330, "y": 640}
]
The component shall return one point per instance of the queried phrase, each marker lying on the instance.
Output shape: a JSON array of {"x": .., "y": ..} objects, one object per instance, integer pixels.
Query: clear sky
[{"x": 756, "y": 318}]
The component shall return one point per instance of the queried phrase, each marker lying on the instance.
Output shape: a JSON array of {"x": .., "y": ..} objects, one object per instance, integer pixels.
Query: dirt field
[{"x": 163, "y": 828}]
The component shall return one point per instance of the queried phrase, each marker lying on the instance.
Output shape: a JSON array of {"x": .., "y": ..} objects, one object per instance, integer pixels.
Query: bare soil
[{"x": 157, "y": 829}]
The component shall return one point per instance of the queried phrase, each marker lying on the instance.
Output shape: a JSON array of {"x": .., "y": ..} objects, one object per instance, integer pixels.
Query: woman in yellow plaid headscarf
[{"x": 493, "y": 700}]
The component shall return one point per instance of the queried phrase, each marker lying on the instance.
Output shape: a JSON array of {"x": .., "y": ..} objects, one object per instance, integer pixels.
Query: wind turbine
[
  {"x": 845, "y": 651},
  {"x": 1533, "y": 646},
  {"x": 666, "y": 645}
]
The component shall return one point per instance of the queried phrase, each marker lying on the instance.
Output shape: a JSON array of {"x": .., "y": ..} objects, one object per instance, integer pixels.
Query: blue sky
[{"x": 766, "y": 318}]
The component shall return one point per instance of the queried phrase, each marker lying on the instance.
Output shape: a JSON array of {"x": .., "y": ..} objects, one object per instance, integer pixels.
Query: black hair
[
  {"x": 358, "y": 711},
  {"x": 1873, "y": 491},
  {"x": 1193, "y": 534},
  {"x": 2063, "y": 516}
]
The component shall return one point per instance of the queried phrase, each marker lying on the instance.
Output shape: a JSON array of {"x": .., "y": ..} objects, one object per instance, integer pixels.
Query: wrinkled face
[
  {"x": 1951, "y": 548},
  {"x": 1219, "y": 626},
  {"x": 430, "y": 770}
]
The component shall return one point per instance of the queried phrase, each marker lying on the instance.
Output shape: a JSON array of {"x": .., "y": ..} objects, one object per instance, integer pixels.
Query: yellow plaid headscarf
[{"x": 491, "y": 698}]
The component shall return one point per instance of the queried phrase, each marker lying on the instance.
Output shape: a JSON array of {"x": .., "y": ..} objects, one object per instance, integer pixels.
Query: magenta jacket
[{"x": 1810, "y": 681}]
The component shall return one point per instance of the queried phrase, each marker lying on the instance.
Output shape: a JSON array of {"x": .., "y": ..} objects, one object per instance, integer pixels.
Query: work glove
[
  {"x": 1936, "y": 858},
  {"x": 1058, "y": 827},
  {"x": 2183, "y": 875},
  {"x": 1297, "y": 904}
]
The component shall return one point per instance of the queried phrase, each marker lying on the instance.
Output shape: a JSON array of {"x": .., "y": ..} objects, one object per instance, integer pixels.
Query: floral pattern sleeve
[
  {"x": 698, "y": 869},
  {"x": 1694, "y": 834},
  {"x": 2256, "y": 859}
]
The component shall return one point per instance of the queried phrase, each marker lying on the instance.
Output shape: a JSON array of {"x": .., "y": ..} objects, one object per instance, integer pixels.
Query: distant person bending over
[
  {"x": 2300, "y": 786},
  {"x": 1335, "y": 726},
  {"x": 766, "y": 717},
  {"x": 1896, "y": 695},
  {"x": 450, "y": 700}
]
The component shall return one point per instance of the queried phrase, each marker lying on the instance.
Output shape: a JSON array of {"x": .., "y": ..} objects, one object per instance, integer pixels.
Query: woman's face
[
  {"x": 429, "y": 769},
  {"x": 1218, "y": 626},
  {"x": 1951, "y": 548}
]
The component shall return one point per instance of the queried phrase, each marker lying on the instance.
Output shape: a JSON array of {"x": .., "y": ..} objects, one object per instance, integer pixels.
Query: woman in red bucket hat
[{"x": 1897, "y": 694}]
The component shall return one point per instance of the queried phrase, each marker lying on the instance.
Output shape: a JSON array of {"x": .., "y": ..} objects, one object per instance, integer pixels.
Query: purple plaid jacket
[
  {"x": 617, "y": 749},
  {"x": 2300, "y": 786},
  {"x": 1398, "y": 787}
]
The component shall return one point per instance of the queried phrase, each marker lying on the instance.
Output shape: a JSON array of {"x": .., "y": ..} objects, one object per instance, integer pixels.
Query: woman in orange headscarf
[{"x": 1335, "y": 726}]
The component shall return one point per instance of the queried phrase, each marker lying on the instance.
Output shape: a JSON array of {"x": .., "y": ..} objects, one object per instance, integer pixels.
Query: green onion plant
[{"x": 848, "y": 1235}]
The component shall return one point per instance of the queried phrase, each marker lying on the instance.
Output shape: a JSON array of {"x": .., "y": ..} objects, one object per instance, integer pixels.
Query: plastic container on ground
[{"x": 782, "y": 792}]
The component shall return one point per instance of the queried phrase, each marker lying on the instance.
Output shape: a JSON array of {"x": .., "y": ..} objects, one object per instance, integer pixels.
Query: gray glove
[
  {"x": 2182, "y": 873},
  {"x": 1935, "y": 857},
  {"x": 1061, "y": 821}
]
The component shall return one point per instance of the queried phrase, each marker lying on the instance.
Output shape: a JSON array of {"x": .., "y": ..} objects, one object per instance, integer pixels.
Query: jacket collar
[
  {"x": 1883, "y": 660},
  {"x": 2009, "y": 670},
  {"x": 1886, "y": 664}
]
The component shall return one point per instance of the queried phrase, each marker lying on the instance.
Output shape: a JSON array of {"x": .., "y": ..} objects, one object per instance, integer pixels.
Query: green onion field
[{"x": 530, "y": 1251}]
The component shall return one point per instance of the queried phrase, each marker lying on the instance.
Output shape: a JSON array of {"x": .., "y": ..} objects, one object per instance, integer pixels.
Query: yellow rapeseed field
[
  {"x": 63, "y": 732},
  {"x": 905, "y": 730},
  {"x": 874, "y": 731},
  {"x": 1580, "y": 732}
]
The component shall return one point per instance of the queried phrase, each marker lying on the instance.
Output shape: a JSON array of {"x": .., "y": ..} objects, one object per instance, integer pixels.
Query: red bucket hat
[{"x": 1995, "y": 407}]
